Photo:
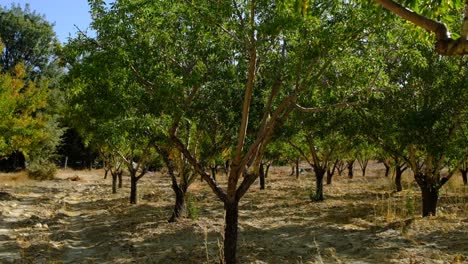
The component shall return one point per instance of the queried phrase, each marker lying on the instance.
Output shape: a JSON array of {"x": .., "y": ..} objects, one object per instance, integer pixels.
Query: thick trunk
[
  {"x": 430, "y": 196},
  {"x": 114, "y": 183},
  {"x": 106, "y": 171},
  {"x": 350, "y": 169},
  {"x": 261, "y": 175},
  {"x": 230, "y": 232},
  {"x": 319, "y": 174},
  {"x": 133, "y": 189},
  {"x": 464, "y": 176},
  {"x": 429, "y": 193},
  {"x": 179, "y": 203}
]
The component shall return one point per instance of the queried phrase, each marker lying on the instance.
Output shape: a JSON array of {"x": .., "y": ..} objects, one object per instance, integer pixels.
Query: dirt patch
[{"x": 361, "y": 221}]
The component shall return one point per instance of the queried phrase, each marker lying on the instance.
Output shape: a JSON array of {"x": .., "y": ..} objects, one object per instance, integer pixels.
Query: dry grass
[{"x": 362, "y": 220}]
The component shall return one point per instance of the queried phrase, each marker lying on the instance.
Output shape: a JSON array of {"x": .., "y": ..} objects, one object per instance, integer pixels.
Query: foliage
[{"x": 28, "y": 39}]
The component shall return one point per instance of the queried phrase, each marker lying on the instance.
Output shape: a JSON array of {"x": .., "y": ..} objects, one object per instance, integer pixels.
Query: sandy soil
[{"x": 77, "y": 220}]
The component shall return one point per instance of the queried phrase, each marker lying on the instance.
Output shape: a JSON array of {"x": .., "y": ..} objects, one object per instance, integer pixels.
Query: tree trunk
[
  {"x": 230, "y": 231},
  {"x": 261, "y": 175},
  {"x": 267, "y": 170},
  {"x": 430, "y": 196},
  {"x": 120, "y": 178},
  {"x": 363, "y": 164},
  {"x": 114, "y": 183},
  {"x": 292, "y": 170},
  {"x": 398, "y": 173},
  {"x": 387, "y": 168},
  {"x": 213, "y": 169},
  {"x": 319, "y": 174},
  {"x": 329, "y": 177},
  {"x": 331, "y": 171},
  {"x": 133, "y": 189},
  {"x": 464, "y": 176},
  {"x": 179, "y": 203},
  {"x": 429, "y": 193},
  {"x": 350, "y": 169},
  {"x": 297, "y": 169}
]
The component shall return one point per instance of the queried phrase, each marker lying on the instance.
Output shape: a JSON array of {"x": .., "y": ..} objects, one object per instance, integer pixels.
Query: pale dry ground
[{"x": 361, "y": 221}]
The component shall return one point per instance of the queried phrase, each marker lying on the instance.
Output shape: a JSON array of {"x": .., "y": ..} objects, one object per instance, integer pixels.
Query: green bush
[{"x": 42, "y": 171}]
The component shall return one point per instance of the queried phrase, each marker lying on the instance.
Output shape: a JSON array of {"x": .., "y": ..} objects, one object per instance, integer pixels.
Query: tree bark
[
  {"x": 430, "y": 196},
  {"x": 119, "y": 176},
  {"x": 398, "y": 174},
  {"x": 214, "y": 169},
  {"x": 319, "y": 174},
  {"x": 464, "y": 176},
  {"x": 399, "y": 169},
  {"x": 230, "y": 231},
  {"x": 179, "y": 203},
  {"x": 350, "y": 169},
  {"x": 331, "y": 171},
  {"x": 114, "y": 183},
  {"x": 267, "y": 170},
  {"x": 363, "y": 164},
  {"x": 261, "y": 175},
  {"x": 133, "y": 189},
  {"x": 387, "y": 168},
  {"x": 297, "y": 169}
]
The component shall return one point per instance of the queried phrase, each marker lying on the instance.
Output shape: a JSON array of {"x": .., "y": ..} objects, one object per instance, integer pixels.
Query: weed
[
  {"x": 409, "y": 205},
  {"x": 192, "y": 208}
]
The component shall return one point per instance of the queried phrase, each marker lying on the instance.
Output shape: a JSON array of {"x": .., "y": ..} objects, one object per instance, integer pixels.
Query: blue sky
[{"x": 64, "y": 13}]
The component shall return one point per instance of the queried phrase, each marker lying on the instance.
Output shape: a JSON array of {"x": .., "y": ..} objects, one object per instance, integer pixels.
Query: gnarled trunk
[{"x": 230, "y": 231}]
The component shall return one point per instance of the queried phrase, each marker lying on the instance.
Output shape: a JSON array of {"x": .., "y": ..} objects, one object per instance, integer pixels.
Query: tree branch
[{"x": 444, "y": 45}]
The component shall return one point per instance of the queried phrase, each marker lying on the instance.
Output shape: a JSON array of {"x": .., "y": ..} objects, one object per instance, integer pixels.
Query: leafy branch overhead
[{"x": 445, "y": 44}]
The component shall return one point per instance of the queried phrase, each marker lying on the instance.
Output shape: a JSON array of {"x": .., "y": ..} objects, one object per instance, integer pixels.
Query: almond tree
[
  {"x": 261, "y": 53},
  {"x": 421, "y": 118}
]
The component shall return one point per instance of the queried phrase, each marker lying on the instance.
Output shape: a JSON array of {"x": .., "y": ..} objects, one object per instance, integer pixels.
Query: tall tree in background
[{"x": 29, "y": 46}]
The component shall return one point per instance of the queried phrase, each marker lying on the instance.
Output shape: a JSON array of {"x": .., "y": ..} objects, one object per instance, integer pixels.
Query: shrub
[{"x": 42, "y": 171}]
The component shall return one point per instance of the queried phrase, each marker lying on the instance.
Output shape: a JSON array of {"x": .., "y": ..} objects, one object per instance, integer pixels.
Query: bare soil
[{"x": 76, "y": 219}]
